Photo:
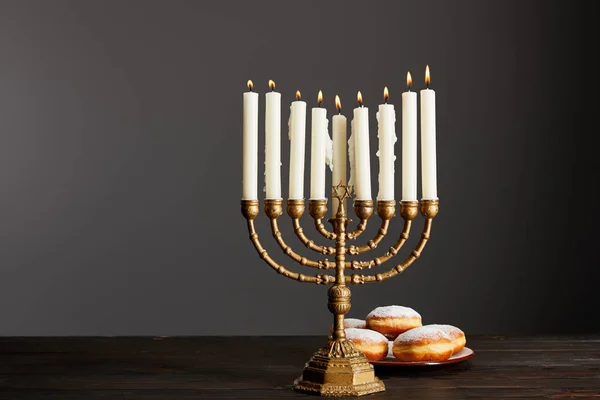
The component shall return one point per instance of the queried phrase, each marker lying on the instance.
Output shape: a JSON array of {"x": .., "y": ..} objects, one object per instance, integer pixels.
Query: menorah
[{"x": 338, "y": 369}]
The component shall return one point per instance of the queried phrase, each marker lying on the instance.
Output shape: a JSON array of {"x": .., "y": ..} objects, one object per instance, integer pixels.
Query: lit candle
[
  {"x": 250, "y": 145},
  {"x": 409, "y": 143},
  {"x": 273, "y": 143},
  {"x": 297, "y": 135},
  {"x": 362, "y": 160},
  {"x": 318, "y": 150},
  {"x": 428, "y": 156},
  {"x": 386, "y": 118},
  {"x": 338, "y": 128}
]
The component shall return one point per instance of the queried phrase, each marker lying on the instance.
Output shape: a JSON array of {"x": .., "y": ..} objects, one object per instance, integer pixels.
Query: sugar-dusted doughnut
[
  {"x": 372, "y": 344},
  {"x": 393, "y": 320},
  {"x": 427, "y": 343}
]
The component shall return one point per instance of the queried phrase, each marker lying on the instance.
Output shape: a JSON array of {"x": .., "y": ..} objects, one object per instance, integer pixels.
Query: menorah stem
[{"x": 339, "y": 294}]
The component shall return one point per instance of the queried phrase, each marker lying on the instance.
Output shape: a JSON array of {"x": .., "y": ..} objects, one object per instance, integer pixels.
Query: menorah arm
[
  {"x": 429, "y": 209},
  {"x": 250, "y": 210},
  {"x": 324, "y": 264},
  {"x": 295, "y": 209},
  {"x": 317, "y": 210},
  {"x": 386, "y": 210},
  {"x": 363, "y": 210},
  {"x": 408, "y": 212}
]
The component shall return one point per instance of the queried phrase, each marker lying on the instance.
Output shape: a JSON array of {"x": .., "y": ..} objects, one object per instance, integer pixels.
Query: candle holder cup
[{"x": 339, "y": 369}]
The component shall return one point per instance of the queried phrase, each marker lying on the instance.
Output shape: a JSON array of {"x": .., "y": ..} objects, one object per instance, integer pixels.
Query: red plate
[{"x": 391, "y": 361}]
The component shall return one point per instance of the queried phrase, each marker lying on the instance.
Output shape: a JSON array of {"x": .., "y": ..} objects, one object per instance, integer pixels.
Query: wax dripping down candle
[
  {"x": 320, "y": 150},
  {"x": 428, "y": 148},
  {"x": 250, "y": 145},
  {"x": 273, "y": 143},
  {"x": 386, "y": 118},
  {"x": 338, "y": 127},
  {"x": 297, "y": 136},
  {"x": 409, "y": 142},
  {"x": 360, "y": 131}
]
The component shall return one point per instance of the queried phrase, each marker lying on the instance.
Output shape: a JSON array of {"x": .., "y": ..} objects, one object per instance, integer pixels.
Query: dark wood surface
[{"x": 184, "y": 368}]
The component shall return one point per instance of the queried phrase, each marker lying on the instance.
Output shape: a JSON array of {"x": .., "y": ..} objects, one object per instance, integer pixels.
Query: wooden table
[{"x": 183, "y": 368}]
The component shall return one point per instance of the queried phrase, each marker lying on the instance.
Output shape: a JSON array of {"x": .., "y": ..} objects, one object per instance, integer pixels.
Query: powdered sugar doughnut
[
  {"x": 427, "y": 343},
  {"x": 393, "y": 320},
  {"x": 372, "y": 344}
]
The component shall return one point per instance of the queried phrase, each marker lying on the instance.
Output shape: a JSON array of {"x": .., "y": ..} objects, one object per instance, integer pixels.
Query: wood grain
[{"x": 184, "y": 368}]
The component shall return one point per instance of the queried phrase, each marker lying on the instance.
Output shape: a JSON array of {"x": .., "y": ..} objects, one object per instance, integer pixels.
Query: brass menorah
[{"x": 338, "y": 369}]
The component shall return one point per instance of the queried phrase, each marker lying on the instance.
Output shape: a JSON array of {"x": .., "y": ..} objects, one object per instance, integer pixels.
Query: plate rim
[{"x": 387, "y": 362}]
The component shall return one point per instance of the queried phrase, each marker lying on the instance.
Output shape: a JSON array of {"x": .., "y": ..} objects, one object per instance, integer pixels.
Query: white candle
[
  {"x": 297, "y": 136},
  {"x": 409, "y": 143},
  {"x": 273, "y": 143},
  {"x": 250, "y": 145},
  {"x": 318, "y": 151},
  {"x": 428, "y": 156},
  {"x": 362, "y": 159},
  {"x": 386, "y": 118},
  {"x": 338, "y": 133}
]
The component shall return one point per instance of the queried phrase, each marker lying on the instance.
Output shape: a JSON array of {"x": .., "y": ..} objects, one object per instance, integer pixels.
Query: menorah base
[{"x": 326, "y": 375}]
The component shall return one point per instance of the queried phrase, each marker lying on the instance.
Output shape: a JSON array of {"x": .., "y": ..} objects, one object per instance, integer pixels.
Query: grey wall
[{"x": 120, "y": 161}]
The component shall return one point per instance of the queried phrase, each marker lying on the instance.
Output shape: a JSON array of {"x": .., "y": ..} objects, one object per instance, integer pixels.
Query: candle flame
[
  {"x": 298, "y": 95},
  {"x": 338, "y": 103},
  {"x": 320, "y": 97},
  {"x": 271, "y": 84},
  {"x": 427, "y": 76},
  {"x": 250, "y": 85},
  {"x": 408, "y": 80},
  {"x": 386, "y": 93},
  {"x": 359, "y": 98}
]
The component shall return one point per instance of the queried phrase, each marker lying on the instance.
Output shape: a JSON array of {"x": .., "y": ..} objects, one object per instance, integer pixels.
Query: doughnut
[
  {"x": 428, "y": 343},
  {"x": 391, "y": 321},
  {"x": 372, "y": 344}
]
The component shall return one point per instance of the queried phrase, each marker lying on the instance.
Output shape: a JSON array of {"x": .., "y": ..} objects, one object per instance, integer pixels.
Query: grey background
[{"x": 120, "y": 161}]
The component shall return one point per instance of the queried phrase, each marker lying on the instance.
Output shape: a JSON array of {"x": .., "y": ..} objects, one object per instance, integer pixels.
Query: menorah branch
[
  {"x": 295, "y": 209},
  {"x": 429, "y": 209},
  {"x": 317, "y": 210},
  {"x": 363, "y": 210},
  {"x": 250, "y": 209},
  {"x": 386, "y": 210},
  {"x": 274, "y": 210},
  {"x": 408, "y": 211}
]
